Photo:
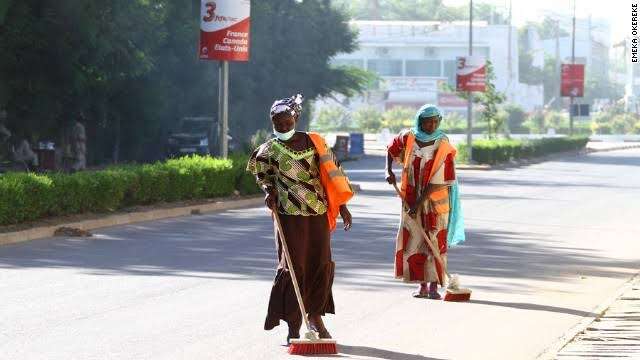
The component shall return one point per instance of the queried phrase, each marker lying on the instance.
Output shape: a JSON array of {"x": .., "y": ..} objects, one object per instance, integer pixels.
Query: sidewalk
[{"x": 616, "y": 334}]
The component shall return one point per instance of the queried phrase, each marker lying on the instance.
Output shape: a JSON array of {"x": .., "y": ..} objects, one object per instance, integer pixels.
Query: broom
[
  {"x": 454, "y": 291},
  {"x": 311, "y": 344}
]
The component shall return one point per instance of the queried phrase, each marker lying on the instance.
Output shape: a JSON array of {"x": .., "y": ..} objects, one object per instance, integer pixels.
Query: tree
[
  {"x": 398, "y": 118},
  {"x": 515, "y": 117},
  {"x": 529, "y": 74},
  {"x": 131, "y": 66},
  {"x": 332, "y": 118},
  {"x": 368, "y": 119}
]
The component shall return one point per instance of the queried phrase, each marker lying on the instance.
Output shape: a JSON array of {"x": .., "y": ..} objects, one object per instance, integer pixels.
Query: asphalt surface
[{"x": 546, "y": 244}]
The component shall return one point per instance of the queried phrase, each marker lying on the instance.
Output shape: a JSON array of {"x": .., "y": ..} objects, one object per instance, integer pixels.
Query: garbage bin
[
  {"x": 356, "y": 145},
  {"x": 46, "y": 156}
]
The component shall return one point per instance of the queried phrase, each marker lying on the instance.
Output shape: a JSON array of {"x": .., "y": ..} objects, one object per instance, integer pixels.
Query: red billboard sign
[
  {"x": 572, "y": 80},
  {"x": 471, "y": 73},
  {"x": 224, "y": 30}
]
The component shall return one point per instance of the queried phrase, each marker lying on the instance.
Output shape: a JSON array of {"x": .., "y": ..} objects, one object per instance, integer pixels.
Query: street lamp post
[
  {"x": 573, "y": 61},
  {"x": 469, "y": 100}
]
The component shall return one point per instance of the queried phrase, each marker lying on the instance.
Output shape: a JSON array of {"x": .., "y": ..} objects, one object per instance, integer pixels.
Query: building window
[
  {"x": 359, "y": 63},
  {"x": 450, "y": 71},
  {"x": 423, "y": 67},
  {"x": 385, "y": 67}
]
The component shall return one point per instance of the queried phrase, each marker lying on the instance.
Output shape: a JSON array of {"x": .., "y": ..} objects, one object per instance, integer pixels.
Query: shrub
[
  {"x": 25, "y": 197},
  {"x": 497, "y": 151}
]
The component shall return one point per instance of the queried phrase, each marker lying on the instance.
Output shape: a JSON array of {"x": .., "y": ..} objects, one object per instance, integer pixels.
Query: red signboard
[
  {"x": 572, "y": 80},
  {"x": 471, "y": 73},
  {"x": 224, "y": 30}
]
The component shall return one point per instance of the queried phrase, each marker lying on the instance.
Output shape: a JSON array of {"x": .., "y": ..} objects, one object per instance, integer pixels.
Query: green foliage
[
  {"x": 535, "y": 123},
  {"x": 130, "y": 65},
  {"x": 515, "y": 118},
  {"x": 245, "y": 181},
  {"x": 398, "y": 118},
  {"x": 499, "y": 151},
  {"x": 453, "y": 123},
  {"x": 368, "y": 119},
  {"x": 332, "y": 118},
  {"x": 626, "y": 123},
  {"x": 25, "y": 197}
]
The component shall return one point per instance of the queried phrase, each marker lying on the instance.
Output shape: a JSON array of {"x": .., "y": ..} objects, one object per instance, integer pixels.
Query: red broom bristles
[
  {"x": 457, "y": 297},
  {"x": 312, "y": 348}
]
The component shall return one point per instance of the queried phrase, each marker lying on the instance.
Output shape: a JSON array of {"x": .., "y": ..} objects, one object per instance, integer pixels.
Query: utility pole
[
  {"x": 509, "y": 65},
  {"x": 557, "y": 72},
  {"x": 223, "y": 108},
  {"x": 573, "y": 61},
  {"x": 469, "y": 94}
]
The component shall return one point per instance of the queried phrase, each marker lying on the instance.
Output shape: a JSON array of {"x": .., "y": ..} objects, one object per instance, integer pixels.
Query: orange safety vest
[
  {"x": 334, "y": 181},
  {"x": 441, "y": 155}
]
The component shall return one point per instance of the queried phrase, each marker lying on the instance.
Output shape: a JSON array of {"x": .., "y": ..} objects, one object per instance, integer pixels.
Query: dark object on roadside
[
  {"x": 196, "y": 212},
  {"x": 192, "y": 137},
  {"x": 356, "y": 145},
  {"x": 197, "y": 135},
  {"x": 69, "y": 231},
  {"x": 341, "y": 147}
]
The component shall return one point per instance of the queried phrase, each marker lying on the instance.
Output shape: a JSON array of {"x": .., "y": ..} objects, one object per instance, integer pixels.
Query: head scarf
[
  {"x": 292, "y": 105},
  {"x": 426, "y": 111}
]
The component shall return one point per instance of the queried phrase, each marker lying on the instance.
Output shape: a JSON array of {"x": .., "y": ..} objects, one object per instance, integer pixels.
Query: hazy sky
[{"x": 617, "y": 12}]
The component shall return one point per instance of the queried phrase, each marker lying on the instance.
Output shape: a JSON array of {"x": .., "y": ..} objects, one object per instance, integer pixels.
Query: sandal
[
  {"x": 420, "y": 295},
  {"x": 434, "y": 295}
]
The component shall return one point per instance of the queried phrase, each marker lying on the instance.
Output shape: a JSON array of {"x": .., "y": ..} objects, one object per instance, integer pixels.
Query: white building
[{"x": 415, "y": 57}]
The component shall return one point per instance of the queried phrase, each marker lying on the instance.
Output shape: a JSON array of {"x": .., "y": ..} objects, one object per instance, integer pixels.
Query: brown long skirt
[{"x": 309, "y": 244}]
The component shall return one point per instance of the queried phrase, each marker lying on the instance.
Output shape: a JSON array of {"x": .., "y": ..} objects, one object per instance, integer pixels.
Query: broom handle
[
  {"x": 434, "y": 249},
  {"x": 292, "y": 272}
]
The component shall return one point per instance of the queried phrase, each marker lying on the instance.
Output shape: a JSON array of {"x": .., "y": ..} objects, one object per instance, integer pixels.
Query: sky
[{"x": 617, "y": 12}]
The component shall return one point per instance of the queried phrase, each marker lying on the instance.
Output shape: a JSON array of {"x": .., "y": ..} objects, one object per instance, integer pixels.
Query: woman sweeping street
[
  {"x": 430, "y": 194},
  {"x": 307, "y": 188}
]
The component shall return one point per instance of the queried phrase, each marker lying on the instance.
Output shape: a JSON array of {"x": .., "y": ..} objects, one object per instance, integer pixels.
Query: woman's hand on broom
[
  {"x": 346, "y": 217},
  {"x": 413, "y": 211},
  {"x": 271, "y": 199},
  {"x": 391, "y": 177}
]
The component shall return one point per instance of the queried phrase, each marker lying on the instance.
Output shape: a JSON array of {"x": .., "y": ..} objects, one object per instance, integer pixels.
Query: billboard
[
  {"x": 572, "y": 80},
  {"x": 224, "y": 30},
  {"x": 471, "y": 73}
]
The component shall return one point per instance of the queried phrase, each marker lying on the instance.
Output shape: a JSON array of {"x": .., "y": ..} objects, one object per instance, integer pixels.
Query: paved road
[{"x": 547, "y": 243}]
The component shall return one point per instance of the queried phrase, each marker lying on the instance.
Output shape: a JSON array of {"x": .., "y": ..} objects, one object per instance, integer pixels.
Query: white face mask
[{"x": 284, "y": 136}]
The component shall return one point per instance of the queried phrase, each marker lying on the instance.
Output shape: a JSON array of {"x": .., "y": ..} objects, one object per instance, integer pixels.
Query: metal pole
[
  {"x": 469, "y": 105},
  {"x": 223, "y": 108},
  {"x": 573, "y": 61},
  {"x": 509, "y": 79}
]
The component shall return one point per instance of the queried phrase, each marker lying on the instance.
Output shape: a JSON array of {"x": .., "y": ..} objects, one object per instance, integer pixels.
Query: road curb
[
  {"x": 550, "y": 352},
  {"x": 625, "y": 147},
  {"x": 130, "y": 218}
]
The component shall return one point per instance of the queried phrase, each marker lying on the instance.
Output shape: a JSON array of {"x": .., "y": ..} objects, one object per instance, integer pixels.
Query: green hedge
[
  {"x": 497, "y": 151},
  {"x": 25, "y": 197}
]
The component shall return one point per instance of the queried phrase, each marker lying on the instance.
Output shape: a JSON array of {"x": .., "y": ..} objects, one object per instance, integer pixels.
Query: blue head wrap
[{"x": 426, "y": 111}]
